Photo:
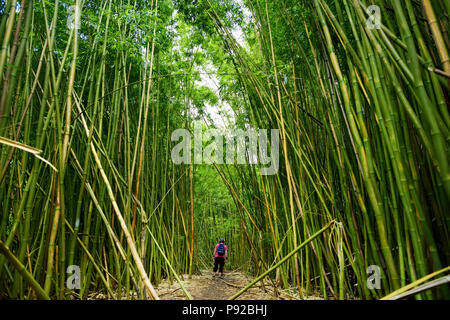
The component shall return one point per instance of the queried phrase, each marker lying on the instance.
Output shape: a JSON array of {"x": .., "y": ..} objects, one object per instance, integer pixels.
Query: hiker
[{"x": 220, "y": 256}]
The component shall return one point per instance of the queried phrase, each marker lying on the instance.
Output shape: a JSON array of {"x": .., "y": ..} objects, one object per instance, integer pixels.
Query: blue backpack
[{"x": 221, "y": 250}]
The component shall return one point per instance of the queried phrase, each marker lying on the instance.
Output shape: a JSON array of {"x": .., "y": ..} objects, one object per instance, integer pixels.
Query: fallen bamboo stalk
[
  {"x": 404, "y": 289},
  {"x": 283, "y": 260},
  {"x": 427, "y": 286},
  {"x": 23, "y": 271},
  {"x": 188, "y": 295},
  {"x": 119, "y": 216}
]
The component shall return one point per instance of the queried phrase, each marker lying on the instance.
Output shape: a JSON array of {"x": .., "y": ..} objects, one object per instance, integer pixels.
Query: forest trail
[
  {"x": 311, "y": 135},
  {"x": 206, "y": 287}
]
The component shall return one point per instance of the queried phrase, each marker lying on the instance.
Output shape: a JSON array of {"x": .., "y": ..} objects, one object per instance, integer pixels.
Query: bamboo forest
[{"x": 310, "y": 137}]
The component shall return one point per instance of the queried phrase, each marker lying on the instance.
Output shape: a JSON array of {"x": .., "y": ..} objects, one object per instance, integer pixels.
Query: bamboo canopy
[{"x": 92, "y": 90}]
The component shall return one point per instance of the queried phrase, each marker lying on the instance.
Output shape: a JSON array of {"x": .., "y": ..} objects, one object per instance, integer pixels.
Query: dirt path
[{"x": 206, "y": 287}]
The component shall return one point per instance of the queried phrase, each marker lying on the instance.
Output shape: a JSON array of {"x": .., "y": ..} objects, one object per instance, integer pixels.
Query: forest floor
[
  {"x": 207, "y": 287},
  {"x": 204, "y": 286}
]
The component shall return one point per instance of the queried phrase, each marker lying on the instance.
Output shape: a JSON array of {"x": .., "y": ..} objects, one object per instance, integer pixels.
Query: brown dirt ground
[{"x": 207, "y": 287}]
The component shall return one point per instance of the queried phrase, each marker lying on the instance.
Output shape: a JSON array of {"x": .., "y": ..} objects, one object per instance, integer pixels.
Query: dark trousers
[{"x": 219, "y": 262}]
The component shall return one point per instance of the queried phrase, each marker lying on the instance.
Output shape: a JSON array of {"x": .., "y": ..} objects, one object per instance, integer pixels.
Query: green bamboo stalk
[{"x": 262, "y": 276}]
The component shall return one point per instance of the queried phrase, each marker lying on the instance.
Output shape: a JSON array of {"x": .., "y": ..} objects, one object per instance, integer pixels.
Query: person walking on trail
[{"x": 220, "y": 256}]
